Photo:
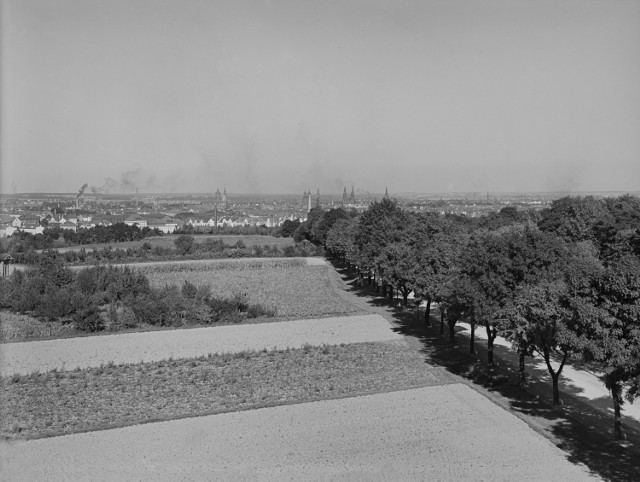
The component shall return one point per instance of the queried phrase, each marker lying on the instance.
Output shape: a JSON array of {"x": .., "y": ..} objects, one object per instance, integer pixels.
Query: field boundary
[{"x": 71, "y": 353}]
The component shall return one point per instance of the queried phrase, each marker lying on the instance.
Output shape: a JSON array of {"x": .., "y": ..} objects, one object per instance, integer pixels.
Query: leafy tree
[
  {"x": 612, "y": 307},
  {"x": 497, "y": 263},
  {"x": 542, "y": 321},
  {"x": 341, "y": 240},
  {"x": 574, "y": 218},
  {"x": 320, "y": 229},
  {"x": 184, "y": 244},
  {"x": 396, "y": 263},
  {"x": 507, "y": 216},
  {"x": 379, "y": 226},
  {"x": 437, "y": 245},
  {"x": 289, "y": 227}
]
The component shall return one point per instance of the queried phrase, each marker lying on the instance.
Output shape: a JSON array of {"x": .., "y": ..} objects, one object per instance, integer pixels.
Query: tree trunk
[
  {"x": 472, "y": 341},
  {"x": 405, "y": 297},
  {"x": 616, "y": 395},
  {"x": 491, "y": 335},
  {"x": 556, "y": 390},
  {"x": 427, "y": 312},
  {"x": 523, "y": 374},
  {"x": 391, "y": 293},
  {"x": 555, "y": 375}
]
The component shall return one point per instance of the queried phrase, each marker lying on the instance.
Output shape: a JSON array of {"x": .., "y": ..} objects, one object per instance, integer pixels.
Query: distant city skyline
[{"x": 282, "y": 96}]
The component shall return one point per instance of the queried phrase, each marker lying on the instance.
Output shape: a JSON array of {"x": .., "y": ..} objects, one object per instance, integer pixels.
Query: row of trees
[
  {"x": 564, "y": 283},
  {"x": 21, "y": 242},
  {"x": 184, "y": 246}
]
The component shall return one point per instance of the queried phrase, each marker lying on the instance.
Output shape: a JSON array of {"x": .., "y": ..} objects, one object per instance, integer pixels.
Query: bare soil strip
[
  {"x": 435, "y": 433},
  {"x": 94, "y": 351}
]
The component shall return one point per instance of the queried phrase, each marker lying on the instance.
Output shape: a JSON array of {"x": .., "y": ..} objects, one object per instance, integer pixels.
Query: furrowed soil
[{"x": 55, "y": 403}]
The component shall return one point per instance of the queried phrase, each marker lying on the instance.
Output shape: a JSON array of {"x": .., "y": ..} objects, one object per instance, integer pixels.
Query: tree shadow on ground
[{"x": 582, "y": 431}]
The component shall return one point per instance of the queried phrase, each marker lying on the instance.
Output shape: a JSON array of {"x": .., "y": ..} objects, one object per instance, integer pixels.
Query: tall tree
[
  {"x": 613, "y": 308},
  {"x": 497, "y": 263},
  {"x": 379, "y": 226},
  {"x": 341, "y": 239},
  {"x": 437, "y": 243}
]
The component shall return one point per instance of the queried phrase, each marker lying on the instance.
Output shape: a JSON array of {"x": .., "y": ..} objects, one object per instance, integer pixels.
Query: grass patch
[
  {"x": 290, "y": 287},
  {"x": 55, "y": 403}
]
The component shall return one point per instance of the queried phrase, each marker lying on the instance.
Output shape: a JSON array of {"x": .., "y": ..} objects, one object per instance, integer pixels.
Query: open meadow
[{"x": 295, "y": 288}]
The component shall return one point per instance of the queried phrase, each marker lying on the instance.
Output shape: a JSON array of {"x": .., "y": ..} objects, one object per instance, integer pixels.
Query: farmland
[
  {"x": 167, "y": 242},
  {"x": 117, "y": 395},
  {"x": 292, "y": 287}
]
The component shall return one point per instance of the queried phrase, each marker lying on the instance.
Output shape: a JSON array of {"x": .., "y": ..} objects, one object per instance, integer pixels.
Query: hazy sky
[{"x": 282, "y": 96}]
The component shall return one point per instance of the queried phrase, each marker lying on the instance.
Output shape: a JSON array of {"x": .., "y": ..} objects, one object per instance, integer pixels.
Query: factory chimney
[{"x": 80, "y": 193}]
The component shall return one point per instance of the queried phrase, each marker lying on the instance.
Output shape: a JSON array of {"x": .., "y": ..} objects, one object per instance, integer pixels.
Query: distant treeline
[{"x": 24, "y": 247}]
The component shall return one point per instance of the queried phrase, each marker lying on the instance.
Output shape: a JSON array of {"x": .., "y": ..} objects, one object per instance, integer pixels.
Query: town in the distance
[{"x": 168, "y": 213}]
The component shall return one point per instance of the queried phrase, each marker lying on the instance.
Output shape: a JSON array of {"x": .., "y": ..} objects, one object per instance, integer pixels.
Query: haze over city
[{"x": 283, "y": 96}]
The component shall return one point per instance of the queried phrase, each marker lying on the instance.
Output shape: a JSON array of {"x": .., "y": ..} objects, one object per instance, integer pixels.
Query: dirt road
[{"x": 93, "y": 351}]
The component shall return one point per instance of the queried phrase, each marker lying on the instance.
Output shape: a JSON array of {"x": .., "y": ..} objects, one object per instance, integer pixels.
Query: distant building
[{"x": 136, "y": 220}]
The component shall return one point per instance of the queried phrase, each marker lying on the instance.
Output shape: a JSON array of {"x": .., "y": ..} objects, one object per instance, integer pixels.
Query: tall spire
[{"x": 386, "y": 192}]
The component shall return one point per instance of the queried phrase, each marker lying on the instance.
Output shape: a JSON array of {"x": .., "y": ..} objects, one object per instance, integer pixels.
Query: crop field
[
  {"x": 290, "y": 286},
  {"x": 56, "y": 402},
  {"x": 167, "y": 241}
]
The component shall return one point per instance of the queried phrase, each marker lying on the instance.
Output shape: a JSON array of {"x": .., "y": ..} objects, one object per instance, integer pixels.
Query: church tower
[
  {"x": 352, "y": 196},
  {"x": 345, "y": 199}
]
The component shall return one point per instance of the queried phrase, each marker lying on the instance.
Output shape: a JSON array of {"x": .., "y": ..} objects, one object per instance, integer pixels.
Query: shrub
[
  {"x": 257, "y": 311},
  {"x": 88, "y": 319},
  {"x": 189, "y": 290},
  {"x": 184, "y": 244}
]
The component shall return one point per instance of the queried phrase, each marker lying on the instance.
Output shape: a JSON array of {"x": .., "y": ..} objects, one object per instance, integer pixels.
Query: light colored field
[
  {"x": 289, "y": 285},
  {"x": 439, "y": 433},
  {"x": 93, "y": 351}
]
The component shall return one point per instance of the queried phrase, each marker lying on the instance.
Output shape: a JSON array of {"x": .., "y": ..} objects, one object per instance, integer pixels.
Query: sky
[{"x": 282, "y": 96}]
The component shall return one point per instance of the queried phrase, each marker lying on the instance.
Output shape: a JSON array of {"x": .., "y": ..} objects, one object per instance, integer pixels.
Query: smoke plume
[{"x": 81, "y": 191}]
